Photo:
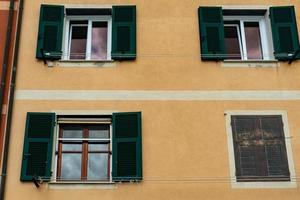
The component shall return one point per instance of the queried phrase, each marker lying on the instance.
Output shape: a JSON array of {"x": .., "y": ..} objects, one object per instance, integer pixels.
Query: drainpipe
[{"x": 11, "y": 98}]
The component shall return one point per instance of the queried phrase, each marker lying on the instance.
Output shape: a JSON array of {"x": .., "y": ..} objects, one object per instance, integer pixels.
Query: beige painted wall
[
  {"x": 181, "y": 139},
  {"x": 168, "y": 54}
]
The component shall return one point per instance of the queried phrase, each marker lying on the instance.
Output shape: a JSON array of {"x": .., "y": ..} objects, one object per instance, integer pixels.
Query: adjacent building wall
[{"x": 4, "y": 13}]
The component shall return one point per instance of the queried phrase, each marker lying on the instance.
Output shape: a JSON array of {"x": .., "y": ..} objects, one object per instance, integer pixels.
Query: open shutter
[
  {"x": 284, "y": 31},
  {"x": 50, "y": 32},
  {"x": 211, "y": 28},
  {"x": 37, "y": 151},
  {"x": 123, "y": 32},
  {"x": 127, "y": 147}
]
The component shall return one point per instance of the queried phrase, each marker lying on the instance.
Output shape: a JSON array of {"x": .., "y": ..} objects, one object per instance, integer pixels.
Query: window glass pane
[
  {"x": 98, "y": 147},
  {"x": 253, "y": 41},
  {"x": 71, "y": 147},
  {"x": 99, "y": 41},
  {"x": 78, "y": 42},
  {"x": 232, "y": 43},
  {"x": 101, "y": 131},
  {"x": 71, "y": 166},
  {"x": 98, "y": 166},
  {"x": 72, "y": 132}
]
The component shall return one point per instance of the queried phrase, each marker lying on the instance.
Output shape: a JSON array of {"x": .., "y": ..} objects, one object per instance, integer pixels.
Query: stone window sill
[
  {"x": 81, "y": 185},
  {"x": 82, "y": 63},
  {"x": 250, "y": 63}
]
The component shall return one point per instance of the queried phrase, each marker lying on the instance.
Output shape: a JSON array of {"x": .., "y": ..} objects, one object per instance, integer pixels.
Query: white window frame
[
  {"x": 267, "y": 48},
  {"x": 74, "y": 121},
  {"x": 90, "y": 19},
  {"x": 260, "y": 184}
]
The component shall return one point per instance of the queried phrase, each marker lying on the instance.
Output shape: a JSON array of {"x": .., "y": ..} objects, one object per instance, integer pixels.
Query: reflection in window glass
[
  {"x": 71, "y": 166},
  {"x": 71, "y": 147},
  {"x": 232, "y": 44},
  {"x": 97, "y": 166},
  {"x": 98, "y": 147},
  {"x": 253, "y": 42},
  {"x": 72, "y": 132},
  {"x": 78, "y": 42},
  {"x": 99, "y": 41},
  {"x": 101, "y": 131}
]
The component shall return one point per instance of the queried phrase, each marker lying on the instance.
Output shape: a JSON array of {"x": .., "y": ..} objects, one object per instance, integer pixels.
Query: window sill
[
  {"x": 82, "y": 63},
  {"x": 81, "y": 185},
  {"x": 258, "y": 185},
  {"x": 250, "y": 63}
]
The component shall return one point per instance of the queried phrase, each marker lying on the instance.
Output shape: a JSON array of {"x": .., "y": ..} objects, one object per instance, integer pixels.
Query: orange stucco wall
[{"x": 182, "y": 139}]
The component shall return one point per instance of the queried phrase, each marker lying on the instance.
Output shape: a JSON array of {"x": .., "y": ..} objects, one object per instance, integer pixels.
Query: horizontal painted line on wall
[{"x": 159, "y": 95}]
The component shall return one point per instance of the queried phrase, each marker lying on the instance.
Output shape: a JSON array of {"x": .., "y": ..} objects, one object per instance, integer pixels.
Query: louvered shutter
[
  {"x": 37, "y": 150},
  {"x": 275, "y": 148},
  {"x": 284, "y": 31},
  {"x": 127, "y": 147},
  {"x": 123, "y": 32},
  {"x": 259, "y": 148},
  {"x": 243, "y": 129},
  {"x": 212, "y": 39},
  {"x": 49, "y": 42}
]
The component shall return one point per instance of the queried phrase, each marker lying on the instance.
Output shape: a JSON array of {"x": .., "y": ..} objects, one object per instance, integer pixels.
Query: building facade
[{"x": 156, "y": 100}]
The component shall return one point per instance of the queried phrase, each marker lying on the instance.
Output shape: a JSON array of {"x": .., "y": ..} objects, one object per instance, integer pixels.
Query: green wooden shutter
[
  {"x": 127, "y": 147},
  {"x": 50, "y": 32},
  {"x": 123, "y": 32},
  {"x": 212, "y": 37},
  {"x": 37, "y": 151},
  {"x": 284, "y": 31}
]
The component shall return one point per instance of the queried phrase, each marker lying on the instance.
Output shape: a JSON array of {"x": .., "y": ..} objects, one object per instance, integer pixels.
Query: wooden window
[
  {"x": 84, "y": 152},
  {"x": 259, "y": 148}
]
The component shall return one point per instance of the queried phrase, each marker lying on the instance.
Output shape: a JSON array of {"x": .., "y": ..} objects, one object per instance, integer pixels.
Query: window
[
  {"x": 246, "y": 39},
  {"x": 259, "y": 148},
  {"x": 101, "y": 148},
  {"x": 84, "y": 152},
  {"x": 248, "y": 34},
  {"x": 87, "y": 38},
  {"x": 87, "y": 33}
]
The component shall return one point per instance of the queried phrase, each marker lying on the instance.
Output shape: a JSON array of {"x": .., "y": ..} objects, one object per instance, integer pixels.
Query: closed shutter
[
  {"x": 243, "y": 128},
  {"x": 284, "y": 31},
  {"x": 275, "y": 148},
  {"x": 123, "y": 32},
  {"x": 37, "y": 151},
  {"x": 127, "y": 147},
  {"x": 212, "y": 39},
  {"x": 50, "y": 32},
  {"x": 259, "y": 147}
]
